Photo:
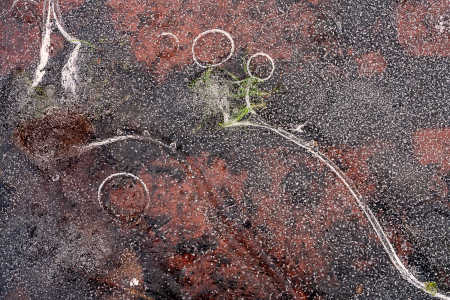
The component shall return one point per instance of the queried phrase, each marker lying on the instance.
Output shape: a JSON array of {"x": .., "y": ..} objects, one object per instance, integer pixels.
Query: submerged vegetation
[{"x": 221, "y": 91}]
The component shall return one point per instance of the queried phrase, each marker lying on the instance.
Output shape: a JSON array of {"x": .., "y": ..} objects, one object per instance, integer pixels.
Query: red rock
[
  {"x": 423, "y": 28},
  {"x": 370, "y": 64},
  {"x": 56, "y": 44},
  {"x": 68, "y": 5},
  {"x": 19, "y": 39},
  {"x": 218, "y": 246},
  {"x": 233, "y": 261},
  {"x": 432, "y": 146},
  {"x": 53, "y": 136},
  {"x": 255, "y": 26}
]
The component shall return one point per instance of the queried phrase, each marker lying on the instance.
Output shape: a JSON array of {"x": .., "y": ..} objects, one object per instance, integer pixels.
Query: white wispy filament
[{"x": 69, "y": 73}]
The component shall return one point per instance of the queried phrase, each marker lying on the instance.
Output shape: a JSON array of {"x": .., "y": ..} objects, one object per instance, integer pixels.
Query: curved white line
[
  {"x": 171, "y": 35},
  {"x": 271, "y": 62},
  {"x": 99, "y": 191},
  {"x": 388, "y": 248},
  {"x": 226, "y": 34}
]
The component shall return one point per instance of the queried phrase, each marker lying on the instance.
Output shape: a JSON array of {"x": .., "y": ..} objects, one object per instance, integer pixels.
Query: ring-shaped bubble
[
  {"x": 205, "y": 33},
  {"x": 172, "y": 36},
  {"x": 271, "y": 62},
  {"x": 99, "y": 192}
]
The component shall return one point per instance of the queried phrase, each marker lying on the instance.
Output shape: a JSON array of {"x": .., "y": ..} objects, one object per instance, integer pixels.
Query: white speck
[
  {"x": 442, "y": 24},
  {"x": 134, "y": 282},
  {"x": 55, "y": 177}
]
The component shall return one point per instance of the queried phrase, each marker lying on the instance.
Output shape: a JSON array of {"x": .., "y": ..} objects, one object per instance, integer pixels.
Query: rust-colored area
[
  {"x": 130, "y": 197},
  {"x": 223, "y": 244},
  {"x": 354, "y": 163},
  {"x": 68, "y": 5},
  {"x": 432, "y": 146},
  {"x": 423, "y": 27},
  {"x": 20, "y": 33},
  {"x": 17, "y": 294},
  {"x": 370, "y": 64},
  {"x": 56, "y": 44},
  {"x": 196, "y": 219},
  {"x": 53, "y": 136},
  {"x": 128, "y": 274},
  {"x": 255, "y": 26}
]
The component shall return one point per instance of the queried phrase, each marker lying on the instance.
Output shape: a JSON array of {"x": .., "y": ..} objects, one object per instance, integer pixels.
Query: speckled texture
[{"x": 236, "y": 212}]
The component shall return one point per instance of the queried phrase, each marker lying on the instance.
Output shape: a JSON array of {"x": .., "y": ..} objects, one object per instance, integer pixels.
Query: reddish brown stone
[
  {"x": 53, "y": 136},
  {"x": 131, "y": 200},
  {"x": 56, "y": 44},
  {"x": 219, "y": 247},
  {"x": 68, "y": 5},
  {"x": 255, "y": 26},
  {"x": 19, "y": 37},
  {"x": 213, "y": 252},
  {"x": 423, "y": 27},
  {"x": 370, "y": 64},
  {"x": 432, "y": 147}
]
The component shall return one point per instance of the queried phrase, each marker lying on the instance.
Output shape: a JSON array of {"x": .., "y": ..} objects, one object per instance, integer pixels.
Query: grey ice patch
[
  {"x": 360, "y": 113},
  {"x": 213, "y": 96}
]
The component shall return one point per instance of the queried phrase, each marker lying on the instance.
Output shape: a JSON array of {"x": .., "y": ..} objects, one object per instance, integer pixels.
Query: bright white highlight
[
  {"x": 45, "y": 47},
  {"x": 134, "y": 282},
  {"x": 88, "y": 147}
]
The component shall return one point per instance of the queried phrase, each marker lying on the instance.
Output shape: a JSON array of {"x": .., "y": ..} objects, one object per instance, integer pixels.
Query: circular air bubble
[
  {"x": 99, "y": 193},
  {"x": 271, "y": 62},
  {"x": 205, "y": 33},
  {"x": 174, "y": 37}
]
